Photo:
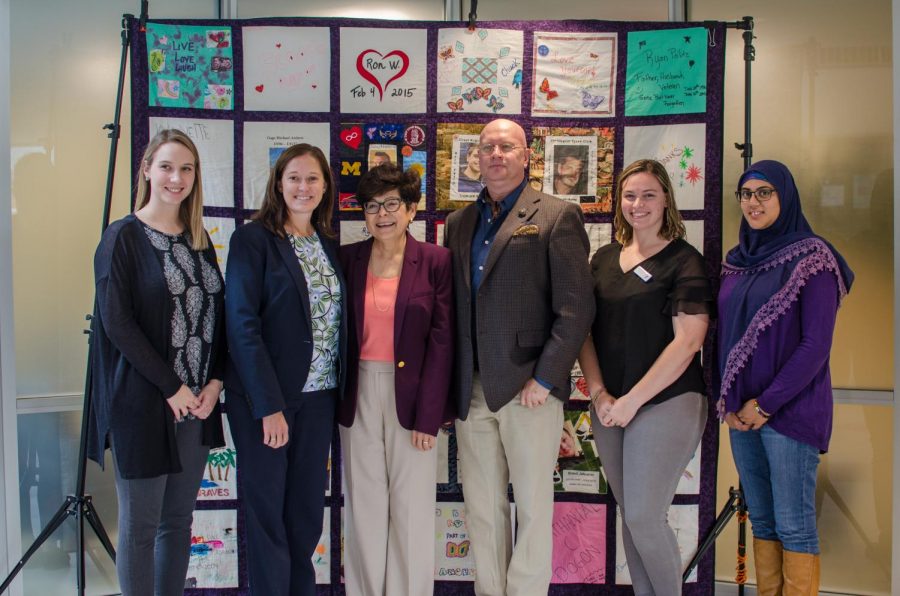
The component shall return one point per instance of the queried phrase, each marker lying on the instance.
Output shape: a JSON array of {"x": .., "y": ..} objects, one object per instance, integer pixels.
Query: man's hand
[{"x": 533, "y": 394}]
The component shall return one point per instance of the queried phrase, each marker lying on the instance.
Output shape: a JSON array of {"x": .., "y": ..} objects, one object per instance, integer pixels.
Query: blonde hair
[
  {"x": 672, "y": 224},
  {"x": 191, "y": 210}
]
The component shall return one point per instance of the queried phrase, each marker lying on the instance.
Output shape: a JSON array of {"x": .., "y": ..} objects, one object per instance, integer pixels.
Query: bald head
[
  {"x": 508, "y": 126},
  {"x": 503, "y": 170}
]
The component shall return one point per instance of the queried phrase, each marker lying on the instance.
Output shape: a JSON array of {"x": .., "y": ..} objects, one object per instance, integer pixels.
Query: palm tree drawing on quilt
[{"x": 219, "y": 460}]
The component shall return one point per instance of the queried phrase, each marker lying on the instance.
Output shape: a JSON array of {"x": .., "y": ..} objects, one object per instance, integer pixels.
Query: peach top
[{"x": 378, "y": 320}]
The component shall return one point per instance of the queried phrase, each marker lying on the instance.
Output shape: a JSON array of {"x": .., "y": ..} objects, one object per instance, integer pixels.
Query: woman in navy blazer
[
  {"x": 287, "y": 336},
  {"x": 398, "y": 379}
]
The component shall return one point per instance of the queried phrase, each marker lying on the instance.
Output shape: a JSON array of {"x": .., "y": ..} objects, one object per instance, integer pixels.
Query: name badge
[{"x": 643, "y": 274}]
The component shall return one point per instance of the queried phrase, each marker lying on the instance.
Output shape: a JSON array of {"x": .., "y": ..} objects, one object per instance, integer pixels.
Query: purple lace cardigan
[{"x": 782, "y": 360}]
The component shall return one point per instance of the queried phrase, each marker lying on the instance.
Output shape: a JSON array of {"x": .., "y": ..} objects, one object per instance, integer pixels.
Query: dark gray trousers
[{"x": 155, "y": 516}]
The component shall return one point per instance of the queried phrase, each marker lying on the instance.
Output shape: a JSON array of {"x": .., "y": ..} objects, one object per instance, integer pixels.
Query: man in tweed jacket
[{"x": 524, "y": 305}]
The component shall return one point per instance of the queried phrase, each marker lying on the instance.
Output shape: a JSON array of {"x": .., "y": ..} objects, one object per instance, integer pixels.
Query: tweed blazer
[{"x": 534, "y": 306}]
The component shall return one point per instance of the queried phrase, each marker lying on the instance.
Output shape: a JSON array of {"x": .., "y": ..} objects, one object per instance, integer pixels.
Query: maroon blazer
[{"x": 423, "y": 333}]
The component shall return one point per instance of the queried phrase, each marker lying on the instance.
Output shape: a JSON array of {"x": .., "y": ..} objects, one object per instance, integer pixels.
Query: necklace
[{"x": 375, "y": 299}]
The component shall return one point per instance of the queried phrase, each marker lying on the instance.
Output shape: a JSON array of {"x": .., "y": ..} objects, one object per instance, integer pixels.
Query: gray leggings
[
  {"x": 155, "y": 516},
  {"x": 643, "y": 463}
]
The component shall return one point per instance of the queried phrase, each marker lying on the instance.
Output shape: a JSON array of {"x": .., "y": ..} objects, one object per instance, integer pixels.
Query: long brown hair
[
  {"x": 273, "y": 213},
  {"x": 672, "y": 224},
  {"x": 190, "y": 213}
]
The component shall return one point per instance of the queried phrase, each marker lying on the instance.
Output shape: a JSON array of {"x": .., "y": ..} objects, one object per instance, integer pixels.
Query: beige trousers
[
  {"x": 390, "y": 501},
  {"x": 520, "y": 445}
]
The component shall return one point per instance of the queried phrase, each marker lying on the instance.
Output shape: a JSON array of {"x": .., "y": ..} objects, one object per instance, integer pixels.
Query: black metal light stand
[
  {"x": 79, "y": 504},
  {"x": 746, "y": 24},
  {"x": 736, "y": 503}
]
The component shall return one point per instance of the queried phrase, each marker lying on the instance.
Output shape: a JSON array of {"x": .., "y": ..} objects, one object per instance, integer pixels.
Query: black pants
[{"x": 283, "y": 491}]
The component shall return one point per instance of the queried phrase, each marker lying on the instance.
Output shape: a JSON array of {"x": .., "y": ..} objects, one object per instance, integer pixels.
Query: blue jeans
[{"x": 778, "y": 475}]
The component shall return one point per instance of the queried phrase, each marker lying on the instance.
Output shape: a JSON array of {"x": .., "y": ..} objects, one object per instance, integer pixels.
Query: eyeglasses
[
  {"x": 488, "y": 148},
  {"x": 762, "y": 194},
  {"x": 372, "y": 207}
]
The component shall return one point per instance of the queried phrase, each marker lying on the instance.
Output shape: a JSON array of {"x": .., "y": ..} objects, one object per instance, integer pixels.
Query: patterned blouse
[
  {"x": 193, "y": 284},
  {"x": 325, "y": 304}
]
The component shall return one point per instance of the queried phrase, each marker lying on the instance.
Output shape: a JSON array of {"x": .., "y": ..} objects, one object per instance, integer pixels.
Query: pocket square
[{"x": 526, "y": 230}]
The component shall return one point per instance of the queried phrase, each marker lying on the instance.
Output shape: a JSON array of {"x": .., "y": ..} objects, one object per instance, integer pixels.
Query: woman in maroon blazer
[{"x": 400, "y": 356}]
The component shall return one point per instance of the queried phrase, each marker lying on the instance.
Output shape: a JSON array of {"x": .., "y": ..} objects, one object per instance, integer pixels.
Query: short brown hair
[
  {"x": 191, "y": 210},
  {"x": 381, "y": 179},
  {"x": 273, "y": 213},
  {"x": 672, "y": 225}
]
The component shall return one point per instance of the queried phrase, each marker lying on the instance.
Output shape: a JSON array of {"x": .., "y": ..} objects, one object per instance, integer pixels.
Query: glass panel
[
  {"x": 48, "y": 464},
  {"x": 64, "y": 69},
  {"x": 822, "y": 104}
]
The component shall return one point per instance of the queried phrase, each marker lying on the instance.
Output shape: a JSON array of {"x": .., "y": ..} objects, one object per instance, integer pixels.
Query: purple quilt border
[{"x": 711, "y": 214}]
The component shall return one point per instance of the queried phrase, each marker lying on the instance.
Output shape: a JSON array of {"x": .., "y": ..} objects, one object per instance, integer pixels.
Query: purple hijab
[{"x": 771, "y": 265}]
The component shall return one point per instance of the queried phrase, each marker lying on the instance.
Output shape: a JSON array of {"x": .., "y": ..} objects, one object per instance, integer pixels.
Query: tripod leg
[
  {"x": 58, "y": 518},
  {"x": 79, "y": 549},
  {"x": 94, "y": 519},
  {"x": 721, "y": 521},
  {"x": 742, "y": 541}
]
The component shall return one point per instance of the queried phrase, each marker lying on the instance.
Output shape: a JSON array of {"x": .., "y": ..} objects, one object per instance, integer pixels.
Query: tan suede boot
[
  {"x": 767, "y": 556},
  {"x": 801, "y": 574}
]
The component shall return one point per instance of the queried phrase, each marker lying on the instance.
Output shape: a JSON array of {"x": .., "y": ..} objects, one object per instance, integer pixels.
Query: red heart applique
[
  {"x": 352, "y": 137},
  {"x": 277, "y": 45},
  {"x": 363, "y": 70},
  {"x": 259, "y": 88}
]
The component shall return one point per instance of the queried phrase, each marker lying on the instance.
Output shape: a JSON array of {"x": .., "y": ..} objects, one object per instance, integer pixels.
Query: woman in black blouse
[
  {"x": 649, "y": 408},
  {"x": 158, "y": 358}
]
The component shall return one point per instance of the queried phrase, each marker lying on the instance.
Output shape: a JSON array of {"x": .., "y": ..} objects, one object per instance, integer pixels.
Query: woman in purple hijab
[{"x": 781, "y": 288}]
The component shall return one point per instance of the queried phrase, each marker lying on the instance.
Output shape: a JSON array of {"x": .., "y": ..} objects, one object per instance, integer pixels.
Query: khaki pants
[
  {"x": 390, "y": 501},
  {"x": 520, "y": 445}
]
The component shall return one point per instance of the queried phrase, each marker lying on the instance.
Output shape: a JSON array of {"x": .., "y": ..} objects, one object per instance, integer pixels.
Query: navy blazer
[
  {"x": 268, "y": 320},
  {"x": 423, "y": 333}
]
